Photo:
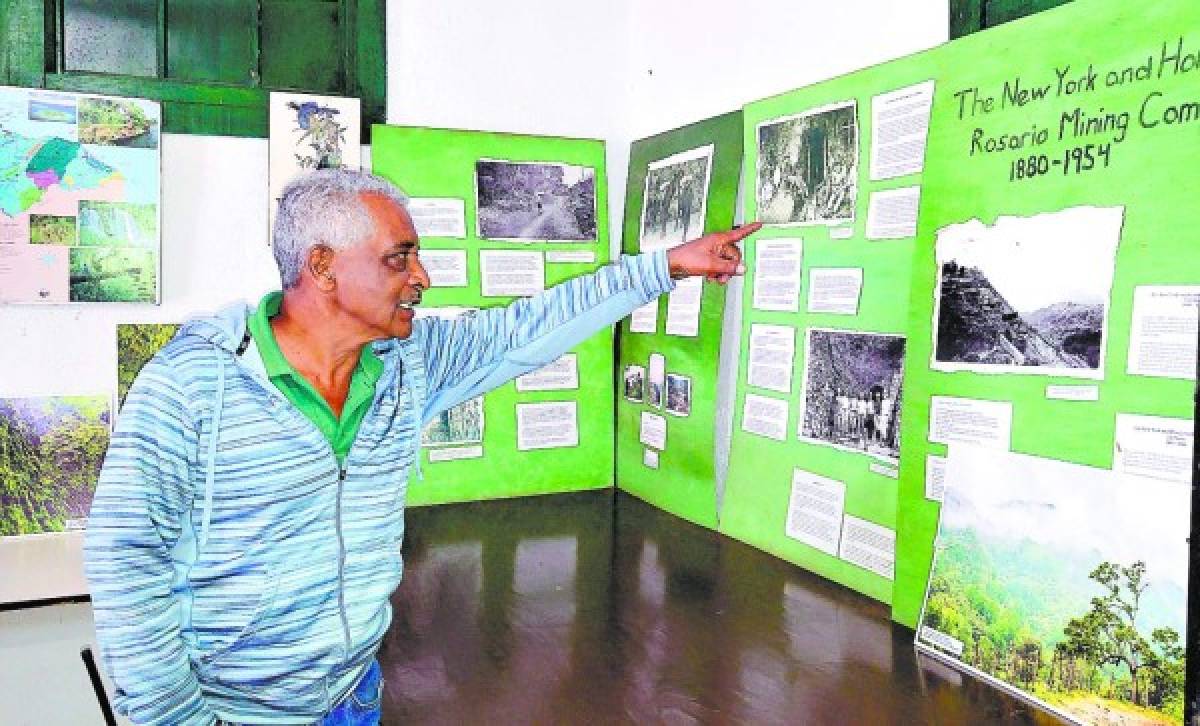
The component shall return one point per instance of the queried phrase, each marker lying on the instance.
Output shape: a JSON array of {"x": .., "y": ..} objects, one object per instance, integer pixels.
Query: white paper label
[
  {"x": 868, "y": 545},
  {"x": 650, "y": 458},
  {"x": 1154, "y": 447},
  {"x": 560, "y": 375},
  {"x": 937, "y": 638},
  {"x": 815, "y": 511},
  {"x": 970, "y": 421},
  {"x": 1162, "y": 341},
  {"x": 765, "y": 417},
  {"x": 645, "y": 318},
  {"x": 455, "y": 453},
  {"x": 446, "y": 268},
  {"x": 884, "y": 470},
  {"x": 683, "y": 307},
  {"x": 1073, "y": 393},
  {"x": 772, "y": 352},
  {"x": 438, "y": 217},
  {"x": 547, "y": 425},
  {"x": 576, "y": 257},
  {"x": 834, "y": 290},
  {"x": 654, "y": 430},
  {"x": 935, "y": 478},
  {"x": 777, "y": 274},
  {"x": 511, "y": 273},
  {"x": 900, "y": 123},
  {"x": 892, "y": 214}
]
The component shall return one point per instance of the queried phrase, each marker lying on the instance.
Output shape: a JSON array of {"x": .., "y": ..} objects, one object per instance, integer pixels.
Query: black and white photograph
[
  {"x": 635, "y": 383},
  {"x": 679, "y": 394},
  {"x": 462, "y": 424},
  {"x": 852, "y": 391},
  {"x": 1026, "y": 294},
  {"x": 808, "y": 167},
  {"x": 535, "y": 201},
  {"x": 674, "y": 200},
  {"x": 656, "y": 382}
]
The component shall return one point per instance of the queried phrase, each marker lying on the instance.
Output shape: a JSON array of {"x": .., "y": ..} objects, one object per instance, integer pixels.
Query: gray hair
[{"x": 324, "y": 207}]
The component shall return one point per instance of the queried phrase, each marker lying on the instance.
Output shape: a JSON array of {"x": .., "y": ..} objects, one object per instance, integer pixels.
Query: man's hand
[{"x": 715, "y": 256}]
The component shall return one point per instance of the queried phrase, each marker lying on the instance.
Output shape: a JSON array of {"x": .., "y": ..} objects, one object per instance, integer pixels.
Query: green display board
[
  {"x": 684, "y": 481},
  {"x": 441, "y": 164},
  {"x": 809, "y": 175},
  {"x": 1058, "y": 134}
]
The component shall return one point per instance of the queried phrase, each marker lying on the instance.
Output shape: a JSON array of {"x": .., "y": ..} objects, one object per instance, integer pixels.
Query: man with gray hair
[{"x": 245, "y": 535}]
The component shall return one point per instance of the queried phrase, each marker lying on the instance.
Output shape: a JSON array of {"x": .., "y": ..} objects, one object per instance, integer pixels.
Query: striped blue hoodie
[{"x": 236, "y": 571}]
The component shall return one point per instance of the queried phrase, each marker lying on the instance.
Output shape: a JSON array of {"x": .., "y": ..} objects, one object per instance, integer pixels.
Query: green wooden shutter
[
  {"x": 971, "y": 16},
  {"x": 213, "y": 41},
  {"x": 304, "y": 45}
]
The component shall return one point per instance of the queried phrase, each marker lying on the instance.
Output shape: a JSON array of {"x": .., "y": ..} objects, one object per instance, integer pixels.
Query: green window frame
[
  {"x": 213, "y": 63},
  {"x": 972, "y": 16}
]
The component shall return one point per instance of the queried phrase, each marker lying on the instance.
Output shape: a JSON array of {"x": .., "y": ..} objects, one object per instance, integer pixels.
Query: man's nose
[{"x": 419, "y": 274}]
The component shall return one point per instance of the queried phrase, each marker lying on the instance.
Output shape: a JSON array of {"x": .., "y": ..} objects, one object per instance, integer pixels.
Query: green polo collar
[
  {"x": 302, "y": 394},
  {"x": 259, "y": 322}
]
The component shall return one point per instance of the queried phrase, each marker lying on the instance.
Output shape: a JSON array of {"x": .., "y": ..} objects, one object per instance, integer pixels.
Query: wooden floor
[{"x": 575, "y": 609}]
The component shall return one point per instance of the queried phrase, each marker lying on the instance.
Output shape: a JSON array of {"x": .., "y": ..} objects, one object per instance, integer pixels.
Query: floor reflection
[{"x": 563, "y": 610}]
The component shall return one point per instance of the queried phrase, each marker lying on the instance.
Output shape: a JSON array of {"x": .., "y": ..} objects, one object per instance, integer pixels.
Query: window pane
[
  {"x": 213, "y": 40},
  {"x": 1002, "y": 11},
  {"x": 111, "y": 36},
  {"x": 302, "y": 45}
]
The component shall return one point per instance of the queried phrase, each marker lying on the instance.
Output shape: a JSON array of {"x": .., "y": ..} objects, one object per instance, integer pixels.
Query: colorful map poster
[{"x": 79, "y": 198}]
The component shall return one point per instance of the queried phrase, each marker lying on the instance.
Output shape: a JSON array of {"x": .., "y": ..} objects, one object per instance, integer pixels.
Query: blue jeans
[{"x": 362, "y": 706}]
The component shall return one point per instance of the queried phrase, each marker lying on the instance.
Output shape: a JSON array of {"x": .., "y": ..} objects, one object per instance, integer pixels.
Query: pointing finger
[{"x": 740, "y": 233}]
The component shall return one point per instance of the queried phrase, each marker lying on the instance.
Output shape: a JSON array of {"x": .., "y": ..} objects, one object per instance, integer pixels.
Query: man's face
[{"x": 380, "y": 280}]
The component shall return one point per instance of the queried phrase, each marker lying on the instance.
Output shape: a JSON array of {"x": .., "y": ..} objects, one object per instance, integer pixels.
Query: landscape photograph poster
[
  {"x": 635, "y": 383},
  {"x": 675, "y": 197},
  {"x": 309, "y": 132},
  {"x": 137, "y": 343},
  {"x": 528, "y": 201},
  {"x": 456, "y": 426},
  {"x": 807, "y": 171},
  {"x": 79, "y": 198},
  {"x": 51, "y": 449},
  {"x": 1026, "y": 294},
  {"x": 1063, "y": 583}
]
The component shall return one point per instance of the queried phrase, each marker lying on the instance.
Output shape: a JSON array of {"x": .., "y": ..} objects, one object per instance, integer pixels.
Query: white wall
[
  {"x": 617, "y": 71},
  {"x": 523, "y": 66},
  {"x": 688, "y": 61}
]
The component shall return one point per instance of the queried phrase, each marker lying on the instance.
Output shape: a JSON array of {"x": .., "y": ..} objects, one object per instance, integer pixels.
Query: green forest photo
[
  {"x": 462, "y": 424},
  {"x": 136, "y": 345},
  {"x": 1030, "y": 587},
  {"x": 113, "y": 274},
  {"x": 51, "y": 230},
  {"x": 50, "y": 455}
]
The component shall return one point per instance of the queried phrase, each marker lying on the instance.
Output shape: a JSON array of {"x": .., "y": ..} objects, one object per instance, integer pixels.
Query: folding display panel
[
  {"x": 503, "y": 215},
  {"x": 681, "y": 184},
  {"x": 834, "y": 171}
]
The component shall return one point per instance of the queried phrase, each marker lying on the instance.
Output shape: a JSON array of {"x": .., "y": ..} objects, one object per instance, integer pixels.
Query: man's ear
[{"x": 320, "y": 267}]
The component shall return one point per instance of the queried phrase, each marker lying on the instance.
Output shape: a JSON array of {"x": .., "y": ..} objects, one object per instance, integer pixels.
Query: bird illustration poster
[{"x": 308, "y": 133}]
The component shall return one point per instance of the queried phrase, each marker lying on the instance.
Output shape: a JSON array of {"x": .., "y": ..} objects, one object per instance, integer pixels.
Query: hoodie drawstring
[
  {"x": 211, "y": 473},
  {"x": 416, "y": 414}
]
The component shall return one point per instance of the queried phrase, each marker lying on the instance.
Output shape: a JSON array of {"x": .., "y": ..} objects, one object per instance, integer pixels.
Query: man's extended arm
[
  {"x": 141, "y": 508},
  {"x": 474, "y": 354}
]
